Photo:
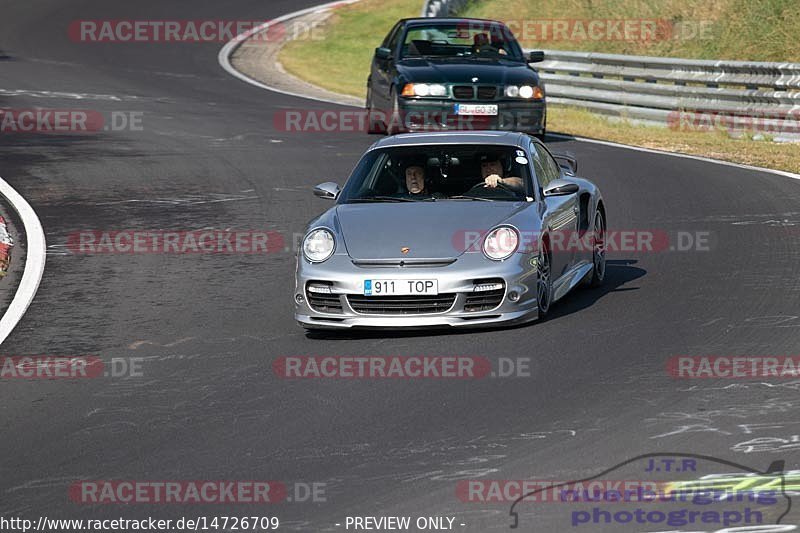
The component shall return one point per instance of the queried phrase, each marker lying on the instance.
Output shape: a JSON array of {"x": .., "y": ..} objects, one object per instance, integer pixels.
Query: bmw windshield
[{"x": 474, "y": 39}]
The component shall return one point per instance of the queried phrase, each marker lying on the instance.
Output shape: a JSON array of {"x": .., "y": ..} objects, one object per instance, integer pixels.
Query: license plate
[
  {"x": 476, "y": 109},
  {"x": 400, "y": 287}
]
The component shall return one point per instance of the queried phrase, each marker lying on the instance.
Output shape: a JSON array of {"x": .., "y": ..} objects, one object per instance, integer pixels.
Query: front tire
[
  {"x": 544, "y": 282},
  {"x": 598, "y": 250},
  {"x": 543, "y": 133},
  {"x": 395, "y": 120},
  {"x": 373, "y": 125}
]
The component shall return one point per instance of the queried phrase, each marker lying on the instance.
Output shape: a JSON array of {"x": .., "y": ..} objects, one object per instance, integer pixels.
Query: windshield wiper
[
  {"x": 470, "y": 198},
  {"x": 381, "y": 199}
]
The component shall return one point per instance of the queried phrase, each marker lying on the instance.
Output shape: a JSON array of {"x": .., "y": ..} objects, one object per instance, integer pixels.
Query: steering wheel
[{"x": 481, "y": 186}]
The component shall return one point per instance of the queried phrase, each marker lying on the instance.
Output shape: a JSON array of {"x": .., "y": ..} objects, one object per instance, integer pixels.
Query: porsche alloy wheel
[
  {"x": 598, "y": 250},
  {"x": 544, "y": 290}
]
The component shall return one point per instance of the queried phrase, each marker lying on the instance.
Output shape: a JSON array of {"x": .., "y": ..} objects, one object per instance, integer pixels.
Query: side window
[
  {"x": 393, "y": 38},
  {"x": 551, "y": 170},
  {"x": 538, "y": 169}
]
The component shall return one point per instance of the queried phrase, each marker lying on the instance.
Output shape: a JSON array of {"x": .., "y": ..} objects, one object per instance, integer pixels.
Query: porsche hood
[{"x": 430, "y": 230}]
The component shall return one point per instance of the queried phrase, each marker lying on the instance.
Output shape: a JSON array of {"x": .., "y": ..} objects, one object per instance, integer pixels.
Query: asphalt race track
[{"x": 207, "y": 327}]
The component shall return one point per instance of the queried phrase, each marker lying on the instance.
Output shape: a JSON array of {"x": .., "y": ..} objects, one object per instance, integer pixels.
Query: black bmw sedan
[{"x": 440, "y": 74}]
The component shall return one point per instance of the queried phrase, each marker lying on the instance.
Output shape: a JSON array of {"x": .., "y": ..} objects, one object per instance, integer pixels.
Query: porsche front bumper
[{"x": 462, "y": 300}]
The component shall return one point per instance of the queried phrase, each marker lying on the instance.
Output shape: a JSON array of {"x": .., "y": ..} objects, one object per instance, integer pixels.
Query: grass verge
[
  {"x": 713, "y": 144},
  {"x": 340, "y": 60},
  {"x": 761, "y": 30}
]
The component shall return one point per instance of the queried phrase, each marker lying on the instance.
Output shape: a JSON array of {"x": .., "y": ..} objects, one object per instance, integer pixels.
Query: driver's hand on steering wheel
[{"x": 492, "y": 181}]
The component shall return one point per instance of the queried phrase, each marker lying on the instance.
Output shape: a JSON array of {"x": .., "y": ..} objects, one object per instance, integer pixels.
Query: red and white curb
[
  {"x": 6, "y": 242},
  {"x": 34, "y": 259}
]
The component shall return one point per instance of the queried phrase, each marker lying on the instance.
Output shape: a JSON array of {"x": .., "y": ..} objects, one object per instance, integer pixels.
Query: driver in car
[{"x": 492, "y": 173}]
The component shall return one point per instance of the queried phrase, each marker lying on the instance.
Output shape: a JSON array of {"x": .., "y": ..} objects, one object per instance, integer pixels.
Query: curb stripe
[{"x": 34, "y": 260}]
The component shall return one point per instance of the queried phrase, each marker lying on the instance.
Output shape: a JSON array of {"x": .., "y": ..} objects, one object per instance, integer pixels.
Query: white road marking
[
  {"x": 34, "y": 260},
  {"x": 227, "y": 51},
  {"x": 63, "y": 95}
]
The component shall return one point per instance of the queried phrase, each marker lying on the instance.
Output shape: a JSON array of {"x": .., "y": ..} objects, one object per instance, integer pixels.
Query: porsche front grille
[
  {"x": 484, "y": 301},
  {"x": 324, "y": 303},
  {"x": 401, "y": 305}
]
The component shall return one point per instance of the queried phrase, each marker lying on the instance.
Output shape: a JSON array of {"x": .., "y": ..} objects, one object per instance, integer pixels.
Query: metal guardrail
[
  {"x": 695, "y": 94},
  {"x": 761, "y": 96}
]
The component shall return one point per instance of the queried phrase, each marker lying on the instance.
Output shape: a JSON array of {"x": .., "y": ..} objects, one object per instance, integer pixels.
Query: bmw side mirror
[
  {"x": 560, "y": 188},
  {"x": 537, "y": 56},
  {"x": 383, "y": 53},
  {"x": 327, "y": 190}
]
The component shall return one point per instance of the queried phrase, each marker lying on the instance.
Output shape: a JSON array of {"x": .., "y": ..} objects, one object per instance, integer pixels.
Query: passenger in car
[
  {"x": 416, "y": 182},
  {"x": 415, "y": 179}
]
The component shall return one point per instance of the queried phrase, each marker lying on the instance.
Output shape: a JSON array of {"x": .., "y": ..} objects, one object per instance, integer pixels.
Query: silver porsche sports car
[{"x": 460, "y": 229}]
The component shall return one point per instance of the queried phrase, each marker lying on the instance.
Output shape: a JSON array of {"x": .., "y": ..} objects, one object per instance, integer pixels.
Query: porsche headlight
[
  {"x": 318, "y": 245},
  {"x": 500, "y": 243}
]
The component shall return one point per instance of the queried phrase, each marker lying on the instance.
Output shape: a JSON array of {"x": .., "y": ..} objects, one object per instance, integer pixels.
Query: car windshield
[
  {"x": 473, "y": 39},
  {"x": 432, "y": 173}
]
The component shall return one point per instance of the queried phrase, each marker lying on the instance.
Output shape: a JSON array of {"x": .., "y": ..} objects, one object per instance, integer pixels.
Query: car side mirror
[
  {"x": 560, "y": 188},
  {"x": 537, "y": 56},
  {"x": 567, "y": 162},
  {"x": 383, "y": 53},
  {"x": 327, "y": 190}
]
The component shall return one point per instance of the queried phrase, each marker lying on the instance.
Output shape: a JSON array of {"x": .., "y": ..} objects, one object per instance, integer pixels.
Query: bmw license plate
[
  {"x": 485, "y": 110},
  {"x": 400, "y": 287}
]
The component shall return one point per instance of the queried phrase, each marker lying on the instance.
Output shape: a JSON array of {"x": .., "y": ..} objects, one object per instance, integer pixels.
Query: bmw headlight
[
  {"x": 318, "y": 245},
  {"x": 500, "y": 243},
  {"x": 424, "y": 89},
  {"x": 525, "y": 91}
]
